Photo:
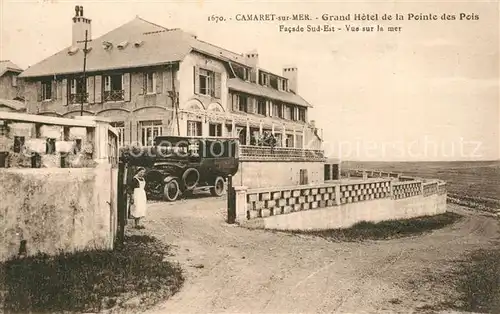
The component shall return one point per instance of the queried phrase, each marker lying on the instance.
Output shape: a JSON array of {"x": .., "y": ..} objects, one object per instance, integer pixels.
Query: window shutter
[
  {"x": 251, "y": 75},
  {"x": 270, "y": 106},
  {"x": 98, "y": 89},
  {"x": 236, "y": 102},
  {"x": 144, "y": 84},
  {"x": 196, "y": 78},
  {"x": 218, "y": 85},
  {"x": 39, "y": 90},
  {"x": 90, "y": 89},
  {"x": 60, "y": 94},
  {"x": 159, "y": 82},
  {"x": 252, "y": 102},
  {"x": 126, "y": 86},
  {"x": 54, "y": 89},
  {"x": 64, "y": 92},
  {"x": 167, "y": 80}
]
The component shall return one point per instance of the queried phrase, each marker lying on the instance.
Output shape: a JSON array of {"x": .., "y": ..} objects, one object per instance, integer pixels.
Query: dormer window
[
  {"x": 72, "y": 50},
  {"x": 107, "y": 45},
  {"x": 138, "y": 43},
  {"x": 122, "y": 45},
  {"x": 284, "y": 85},
  {"x": 263, "y": 79},
  {"x": 273, "y": 81}
]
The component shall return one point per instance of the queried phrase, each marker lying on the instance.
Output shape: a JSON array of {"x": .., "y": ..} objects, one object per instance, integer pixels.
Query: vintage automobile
[{"x": 177, "y": 166}]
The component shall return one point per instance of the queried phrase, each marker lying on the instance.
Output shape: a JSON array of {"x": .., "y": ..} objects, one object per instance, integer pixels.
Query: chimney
[
  {"x": 80, "y": 25},
  {"x": 252, "y": 59},
  {"x": 291, "y": 73}
]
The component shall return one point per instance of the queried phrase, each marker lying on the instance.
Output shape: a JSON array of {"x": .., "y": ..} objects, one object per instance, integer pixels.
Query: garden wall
[
  {"x": 338, "y": 204},
  {"x": 57, "y": 209}
]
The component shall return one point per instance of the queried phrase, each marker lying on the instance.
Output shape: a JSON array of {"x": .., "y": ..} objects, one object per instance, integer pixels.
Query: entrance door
[{"x": 303, "y": 180}]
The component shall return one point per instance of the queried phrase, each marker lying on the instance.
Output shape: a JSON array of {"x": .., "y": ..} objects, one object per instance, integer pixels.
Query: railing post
[
  {"x": 240, "y": 203},
  {"x": 231, "y": 204}
]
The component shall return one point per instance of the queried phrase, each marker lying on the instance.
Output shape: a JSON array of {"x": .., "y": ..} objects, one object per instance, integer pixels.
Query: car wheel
[
  {"x": 171, "y": 190},
  {"x": 218, "y": 188}
]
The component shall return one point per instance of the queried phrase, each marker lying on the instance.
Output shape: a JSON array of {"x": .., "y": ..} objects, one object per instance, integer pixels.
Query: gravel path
[{"x": 234, "y": 270}]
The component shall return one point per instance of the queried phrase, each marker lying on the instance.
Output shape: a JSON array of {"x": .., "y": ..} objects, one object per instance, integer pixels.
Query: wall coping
[{"x": 328, "y": 184}]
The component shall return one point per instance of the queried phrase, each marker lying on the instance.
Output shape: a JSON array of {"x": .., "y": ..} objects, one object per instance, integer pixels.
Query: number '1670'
[{"x": 216, "y": 18}]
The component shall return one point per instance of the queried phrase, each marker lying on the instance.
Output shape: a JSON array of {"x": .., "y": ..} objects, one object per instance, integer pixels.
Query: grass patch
[
  {"x": 387, "y": 229},
  {"x": 480, "y": 203},
  {"x": 479, "y": 282},
  {"x": 90, "y": 281}
]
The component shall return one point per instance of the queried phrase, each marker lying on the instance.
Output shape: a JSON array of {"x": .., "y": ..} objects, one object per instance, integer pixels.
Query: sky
[{"x": 427, "y": 92}]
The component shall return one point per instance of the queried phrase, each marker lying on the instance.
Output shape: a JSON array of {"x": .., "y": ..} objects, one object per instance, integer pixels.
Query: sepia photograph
[{"x": 209, "y": 156}]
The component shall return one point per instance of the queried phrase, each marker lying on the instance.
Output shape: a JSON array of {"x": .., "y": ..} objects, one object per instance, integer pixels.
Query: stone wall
[
  {"x": 338, "y": 204},
  {"x": 57, "y": 210}
]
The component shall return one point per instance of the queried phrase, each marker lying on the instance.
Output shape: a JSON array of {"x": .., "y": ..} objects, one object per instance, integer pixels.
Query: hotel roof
[{"x": 142, "y": 43}]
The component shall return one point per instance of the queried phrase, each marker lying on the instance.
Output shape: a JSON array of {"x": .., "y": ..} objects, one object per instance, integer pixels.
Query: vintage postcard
[{"x": 249, "y": 156}]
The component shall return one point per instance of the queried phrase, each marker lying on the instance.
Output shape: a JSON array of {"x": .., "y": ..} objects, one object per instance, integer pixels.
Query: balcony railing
[
  {"x": 78, "y": 98},
  {"x": 114, "y": 95},
  {"x": 263, "y": 153}
]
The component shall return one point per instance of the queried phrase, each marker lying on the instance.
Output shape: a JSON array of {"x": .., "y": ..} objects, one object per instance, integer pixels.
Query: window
[
  {"x": 242, "y": 103},
  {"x": 18, "y": 143},
  {"x": 261, "y": 106},
  {"x": 215, "y": 129},
  {"x": 288, "y": 112},
  {"x": 120, "y": 127},
  {"x": 283, "y": 85},
  {"x": 47, "y": 90},
  {"x": 294, "y": 113},
  {"x": 273, "y": 81},
  {"x": 263, "y": 78},
  {"x": 207, "y": 82},
  {"x": 302, "y": 114},
  {"x": 289, "y": 141},
  {"x": 150, "y": 83},
  {"x": 303, "y": 180},
  {"x": 113, "y": 88},
  {"x": 194, "y": 128},
  {"x": 279, "y": 139},
  {"x": 14, "y": 80},
  {"x": 150, "y": 130},
  {"x": 242, "y": 135},
  {"x": 298, "y": 141},
  {"x": 277, "y": 112},
  {"x": 77, "y": 91},
  {"x": 241, "y": 72}
]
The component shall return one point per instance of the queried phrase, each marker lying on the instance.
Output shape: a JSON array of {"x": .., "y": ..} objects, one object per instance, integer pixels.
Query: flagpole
[{"x": 84, "y": 96}]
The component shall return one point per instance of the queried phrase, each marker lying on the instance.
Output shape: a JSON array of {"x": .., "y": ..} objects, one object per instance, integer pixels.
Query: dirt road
[{"x": 235, "y": 270}]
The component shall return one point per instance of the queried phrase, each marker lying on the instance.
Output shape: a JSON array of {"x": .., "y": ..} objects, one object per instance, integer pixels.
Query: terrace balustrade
[{"x": 265, "y": 153}]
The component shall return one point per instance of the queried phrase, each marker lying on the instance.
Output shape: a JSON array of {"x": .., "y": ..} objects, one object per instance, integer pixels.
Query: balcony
[
  {"x": 78, "y": 98},
  {"x": 263, "y": 153},
  {"x": 114, "y": 95}
]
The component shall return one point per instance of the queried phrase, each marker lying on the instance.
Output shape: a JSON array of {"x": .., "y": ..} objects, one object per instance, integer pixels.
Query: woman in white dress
[{"x": 138, "y": 200}]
